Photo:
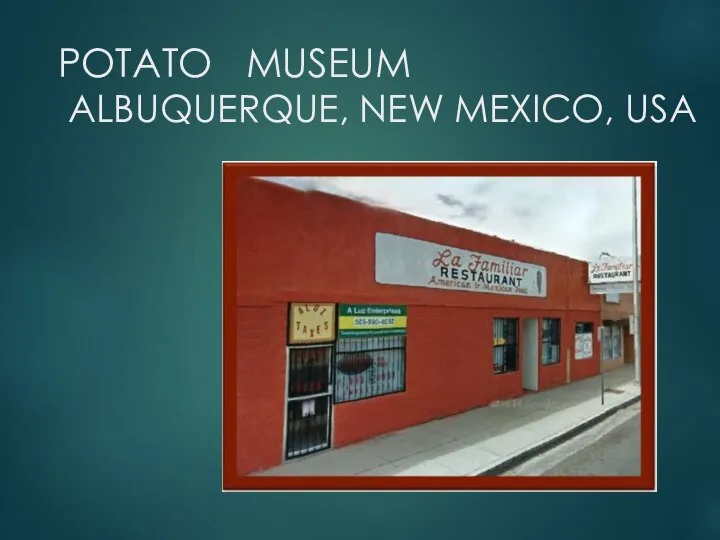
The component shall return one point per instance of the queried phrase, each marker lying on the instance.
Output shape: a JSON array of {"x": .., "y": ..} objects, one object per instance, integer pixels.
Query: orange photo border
[{"x": 235, "y": 172}]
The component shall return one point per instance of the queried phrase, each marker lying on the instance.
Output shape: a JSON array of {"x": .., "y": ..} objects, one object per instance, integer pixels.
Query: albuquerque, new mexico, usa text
[{"x": 286, "y": 65}]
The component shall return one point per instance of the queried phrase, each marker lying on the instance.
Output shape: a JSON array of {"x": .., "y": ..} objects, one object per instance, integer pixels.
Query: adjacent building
[
  {"x": 618, "y": 346},
  {"x": 354, "y": 321}
]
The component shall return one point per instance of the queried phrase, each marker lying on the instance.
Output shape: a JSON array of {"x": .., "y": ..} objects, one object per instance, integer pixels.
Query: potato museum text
[{"x": 317, "y": 63}]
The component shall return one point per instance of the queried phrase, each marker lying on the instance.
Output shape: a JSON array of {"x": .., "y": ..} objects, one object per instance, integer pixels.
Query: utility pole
[{"x": 636, "y": 279}]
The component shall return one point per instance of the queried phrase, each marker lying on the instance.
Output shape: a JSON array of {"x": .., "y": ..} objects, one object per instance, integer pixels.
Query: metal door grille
[
  {"x": 308, "y": 400},
  {"x": 309, "y": 371},
  {"x": 308, "y": 431}
]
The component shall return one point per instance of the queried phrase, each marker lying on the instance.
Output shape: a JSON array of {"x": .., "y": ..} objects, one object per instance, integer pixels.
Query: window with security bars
[
  {"x": 369, "y": 367},
  {"x": 505, "y": 345},
  {"x": 550, "y": 341}
]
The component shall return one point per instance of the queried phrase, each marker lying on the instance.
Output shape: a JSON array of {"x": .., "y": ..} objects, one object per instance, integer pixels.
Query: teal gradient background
[{"x": 110, "y": 350}]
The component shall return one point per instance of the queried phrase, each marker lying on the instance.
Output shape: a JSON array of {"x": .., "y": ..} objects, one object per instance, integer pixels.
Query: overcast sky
[{"x": 578, "y": 217}]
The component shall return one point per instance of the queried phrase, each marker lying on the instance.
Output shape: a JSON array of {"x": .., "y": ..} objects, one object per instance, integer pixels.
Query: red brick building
[{"x": 354, "y": 321}]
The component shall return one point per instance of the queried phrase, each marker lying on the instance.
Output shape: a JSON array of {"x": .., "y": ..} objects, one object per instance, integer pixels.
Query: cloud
[
  {"x": 483, "y": 187},
  {"x": 449, "y": 200},
  {"x": 522, "y": 212},
  {"x": 477, "y": 211}
]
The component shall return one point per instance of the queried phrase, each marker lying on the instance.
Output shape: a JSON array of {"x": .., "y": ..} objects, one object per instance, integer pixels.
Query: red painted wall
[
  {"x": 314, "y": 247},
  {"x": 260, "y": 386}
]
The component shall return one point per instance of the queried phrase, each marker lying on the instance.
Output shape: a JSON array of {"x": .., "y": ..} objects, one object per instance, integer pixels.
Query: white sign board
[
  {"x": 612, "y": 288},
  {"x": 611, "y": 271},
  {"x": 415, "y": 263},
  {"x": 583, "y": 346}
]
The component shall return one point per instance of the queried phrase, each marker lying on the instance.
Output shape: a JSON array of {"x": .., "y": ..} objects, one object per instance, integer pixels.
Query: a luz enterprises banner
[
  {"x": 416, "y": 263},
  {"x": 359, "y": 320}
]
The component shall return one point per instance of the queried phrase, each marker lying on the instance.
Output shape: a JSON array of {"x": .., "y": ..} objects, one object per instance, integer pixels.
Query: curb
[{"x": 551, "y": 442}]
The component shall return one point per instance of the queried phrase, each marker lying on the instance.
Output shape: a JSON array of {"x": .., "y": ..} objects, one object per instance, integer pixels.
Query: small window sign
[{"x": 308, "y": 408}]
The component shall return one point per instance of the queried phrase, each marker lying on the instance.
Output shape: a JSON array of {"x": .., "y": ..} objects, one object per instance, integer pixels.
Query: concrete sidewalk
[{"x": 482, "y": 441}]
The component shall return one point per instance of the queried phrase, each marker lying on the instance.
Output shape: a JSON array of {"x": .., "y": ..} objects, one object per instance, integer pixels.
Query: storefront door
[{"x": 309, "y": 400}]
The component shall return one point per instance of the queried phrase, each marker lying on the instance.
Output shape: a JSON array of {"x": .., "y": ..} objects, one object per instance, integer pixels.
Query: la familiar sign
[
  {"x": 400, "y": 260},
  {"x": 619, "y": 270}
]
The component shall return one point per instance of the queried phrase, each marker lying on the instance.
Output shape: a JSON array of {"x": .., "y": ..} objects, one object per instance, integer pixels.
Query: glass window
[
  {"x": 369, "y": 367},
  {"x": 611, "y": 342},
  {"x": 505, "y": 345},
  {"x": 550, "y": 341},
  {"x": 584, "y": 340},
  {"x": 617, "y": 351},
  {"x": 584, "y": 328}
]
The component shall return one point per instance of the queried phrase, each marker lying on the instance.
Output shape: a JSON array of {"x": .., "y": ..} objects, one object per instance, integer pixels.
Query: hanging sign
[
  {"x": 311, "y": 323},
  {"x": 617, "y": 270},
  {"x": 416, "y": 263},
  {"x": 362, "y": 320}
]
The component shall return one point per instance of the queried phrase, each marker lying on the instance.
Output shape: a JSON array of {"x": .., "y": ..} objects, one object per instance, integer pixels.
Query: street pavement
[{"x": 610, "y": 449}]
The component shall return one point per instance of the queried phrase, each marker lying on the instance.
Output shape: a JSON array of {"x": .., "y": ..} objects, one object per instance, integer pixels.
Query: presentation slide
[{"x": 263, "y": 263}]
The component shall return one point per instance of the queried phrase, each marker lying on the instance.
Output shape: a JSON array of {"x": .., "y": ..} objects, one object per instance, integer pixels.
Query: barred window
[
  {"x": 369, "y": 367},
  {"x": 505, "y": 345},
  {"x": 550, "y": 341}
]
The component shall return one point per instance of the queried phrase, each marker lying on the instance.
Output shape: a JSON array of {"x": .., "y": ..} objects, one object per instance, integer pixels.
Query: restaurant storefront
[{"x": 355, "y": 321}]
